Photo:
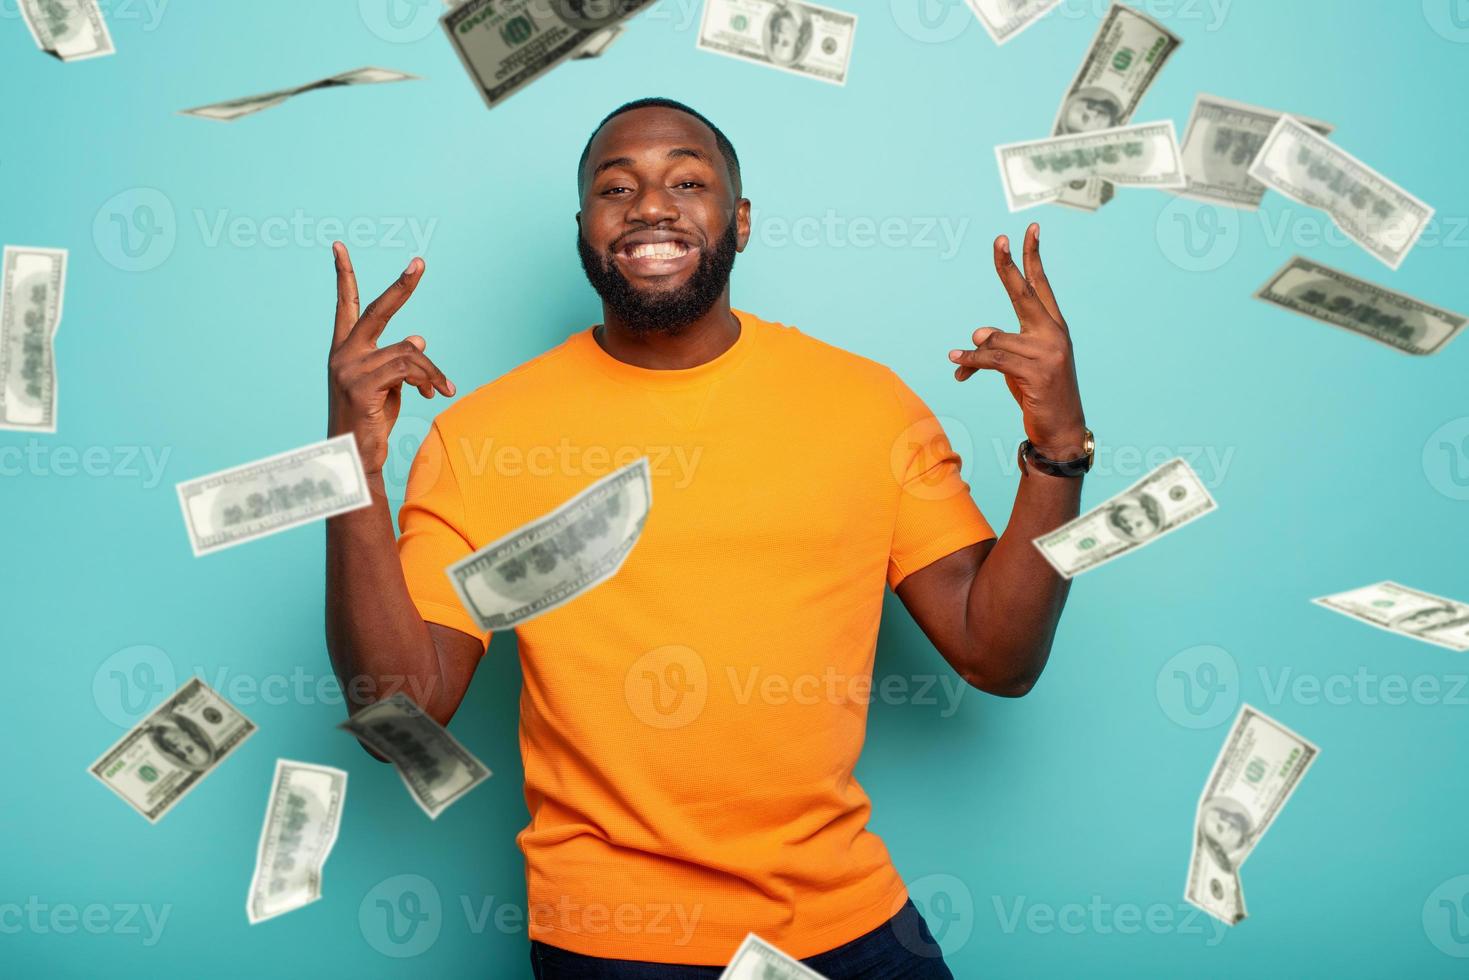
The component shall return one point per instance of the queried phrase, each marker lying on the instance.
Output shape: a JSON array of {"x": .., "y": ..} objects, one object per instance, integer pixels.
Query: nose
[{"x": 653, "y": 205}]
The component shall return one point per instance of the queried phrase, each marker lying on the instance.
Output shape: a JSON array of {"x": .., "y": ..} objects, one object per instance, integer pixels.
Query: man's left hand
[{"x": 1037, "y": 361}]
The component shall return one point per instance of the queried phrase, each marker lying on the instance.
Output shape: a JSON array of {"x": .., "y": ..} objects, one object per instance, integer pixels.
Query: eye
[
  {"x": 688, "y": 183},
  {"x": 612, "y": 190}
]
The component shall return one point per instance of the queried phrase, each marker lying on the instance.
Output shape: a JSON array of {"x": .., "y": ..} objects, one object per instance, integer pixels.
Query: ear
[{"x": 742, "y": 224}]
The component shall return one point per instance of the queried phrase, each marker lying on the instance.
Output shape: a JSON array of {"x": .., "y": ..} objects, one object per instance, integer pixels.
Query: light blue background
[{"x": 1081, "y": 794}]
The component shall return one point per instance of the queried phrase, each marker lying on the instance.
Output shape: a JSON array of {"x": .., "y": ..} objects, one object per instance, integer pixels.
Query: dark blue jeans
[{"x": 901, "y": 948}]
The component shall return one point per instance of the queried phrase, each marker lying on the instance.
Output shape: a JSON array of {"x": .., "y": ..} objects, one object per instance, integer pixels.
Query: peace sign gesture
[
  {"x": 364, "y": 381},
  {"x": 1037, "y": 362}
]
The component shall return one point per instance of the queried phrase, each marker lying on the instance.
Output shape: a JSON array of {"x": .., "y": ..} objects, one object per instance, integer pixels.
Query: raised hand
[
  {"x": 364, "y": 381},
  {"x": 1037, "y": 361}
]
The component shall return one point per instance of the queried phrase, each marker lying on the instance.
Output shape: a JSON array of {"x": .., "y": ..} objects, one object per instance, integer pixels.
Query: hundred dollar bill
[
  {"x": 556, "y": 558},
  {"x": 1158, "y": 504},
  {"x": 1125, "y": 57},
  {"x": 250, "y": 104},
  {"x": 1004, "y": 19},
  {"x": 505, "y": 45},
  {"x": 32, "y": 286},
  {"x": 71, "y": 30},
  {"x": 1391, "y": 318},
  {"x": 1370, "y": 209},
  {"x": 1259, "y": 767},
  {"x": 436, "y": 769},
  {"x": 274, "y": 494},
  {"x": 758, "y": 960},
  {"x": 301, "y": 822},
  {"x": 1219, "y": 145},
  {"x": 1035, "y": 172},
  {"x": 1407, "y": 612},
  {"x": 169, "y": 752},
  {"x": 597, "y": 43},
  {"x": 801, "y": 38}
]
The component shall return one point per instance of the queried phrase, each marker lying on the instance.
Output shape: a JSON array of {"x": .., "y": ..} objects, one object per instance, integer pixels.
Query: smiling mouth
[{"x": 652, "y": 259}]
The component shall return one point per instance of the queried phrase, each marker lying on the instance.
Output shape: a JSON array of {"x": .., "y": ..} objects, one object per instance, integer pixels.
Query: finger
[
  {"x": 1017, "y": 343},
  {"x": 410, "y": 348},
  {"x": 990, "y": 358},
  {"x": 404, "y": 368},
  {"x": 1027, "y": 305},
  {"x": 375, "y": 318},
  {"x": 1035, "y": 274},
  {"x": 346, "y": 294}
]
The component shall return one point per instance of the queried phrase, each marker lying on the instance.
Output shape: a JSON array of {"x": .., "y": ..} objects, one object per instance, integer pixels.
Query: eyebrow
[{"x": 676, "y": 152}]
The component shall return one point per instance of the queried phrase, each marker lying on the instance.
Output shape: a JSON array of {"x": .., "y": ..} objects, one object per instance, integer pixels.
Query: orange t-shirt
[{"x": 689, "y": 727}]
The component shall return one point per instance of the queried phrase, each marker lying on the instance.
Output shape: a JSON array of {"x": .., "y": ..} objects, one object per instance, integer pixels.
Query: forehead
[{"x": 651, "y": 130}]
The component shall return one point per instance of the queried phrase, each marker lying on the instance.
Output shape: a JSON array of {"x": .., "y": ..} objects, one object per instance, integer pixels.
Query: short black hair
[{"x": 726, "y": 148}]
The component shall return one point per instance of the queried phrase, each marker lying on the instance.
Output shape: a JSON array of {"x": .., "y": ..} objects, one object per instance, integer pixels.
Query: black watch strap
[{"x": 1057, "y": 467}]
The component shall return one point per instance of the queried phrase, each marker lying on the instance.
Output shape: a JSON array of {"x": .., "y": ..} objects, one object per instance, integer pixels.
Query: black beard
[{"x": 665, "y": 311}]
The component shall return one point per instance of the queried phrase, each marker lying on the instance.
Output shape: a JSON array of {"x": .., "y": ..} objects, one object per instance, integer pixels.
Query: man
[{"x": 655, "y": 845}]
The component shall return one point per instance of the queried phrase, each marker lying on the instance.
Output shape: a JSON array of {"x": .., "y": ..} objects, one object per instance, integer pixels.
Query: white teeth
[{"x": 658, "y": 250}]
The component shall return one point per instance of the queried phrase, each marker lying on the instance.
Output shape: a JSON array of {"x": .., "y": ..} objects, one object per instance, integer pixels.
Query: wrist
[{"x": 1067, "y": 445}]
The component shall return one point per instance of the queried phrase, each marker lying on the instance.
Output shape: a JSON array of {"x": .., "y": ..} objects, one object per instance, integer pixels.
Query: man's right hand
[{"x": 364, "y": 381}]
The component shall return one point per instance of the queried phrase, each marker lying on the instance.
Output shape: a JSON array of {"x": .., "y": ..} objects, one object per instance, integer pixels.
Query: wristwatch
[{"x": 1065, "y": 467}]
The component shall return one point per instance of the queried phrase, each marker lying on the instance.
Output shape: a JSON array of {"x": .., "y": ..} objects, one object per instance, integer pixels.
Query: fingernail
[
  {"x": 452, "y": 389},
  {"x": 1005, "y": 245},
  {"x": 954, "y": 355}
]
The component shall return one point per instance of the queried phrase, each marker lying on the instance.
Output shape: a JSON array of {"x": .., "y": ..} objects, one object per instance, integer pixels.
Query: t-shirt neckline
[{"x": 671, "y": 377}]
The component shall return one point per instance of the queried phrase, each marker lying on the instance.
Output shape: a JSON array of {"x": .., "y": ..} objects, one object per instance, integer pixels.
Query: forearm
[
  {"x": 1016, "y": 597},
  {"x": 377, "y": 639}
]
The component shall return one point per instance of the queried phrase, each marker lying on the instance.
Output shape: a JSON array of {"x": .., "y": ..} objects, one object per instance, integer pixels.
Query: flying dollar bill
[
  {"x": 1158, "y": 504},
  {"x": 505, "y": 45},
  {"x": 32, "y": 286},
  {"x": 1332, "y": 297},
  {"x": 1004, "y": 19},
  {"x": 1406, "y": 612},
  {"x": 1035, "y": 172},
  {"x": 1259, "y": 767},
  {"x": 274, "y": 494},
  {"x": 436, "y": 769},
  {"x": 302, "y": 817},
  {"x": 1369, "y": 209},
  {"x": 801, "y": 38},
  {"x": 1222, "y": 140},
  {"x": 1124, "y": 58},
  {"x": 556, "y": 558},
  {"x": 758, "y": 960},
  {"x": 598, "y": 43},
  {"x": 250, "y": 104},
  {"x": 71, "y": 30},
  {"x": 169, "y": 752}
]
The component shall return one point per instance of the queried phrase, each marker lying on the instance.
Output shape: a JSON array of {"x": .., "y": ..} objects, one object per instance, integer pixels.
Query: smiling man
[{"x": 687, "y": 770}]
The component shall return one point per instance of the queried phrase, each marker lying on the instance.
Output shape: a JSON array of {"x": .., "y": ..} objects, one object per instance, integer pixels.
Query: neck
[{"x": 701, "y": 341}]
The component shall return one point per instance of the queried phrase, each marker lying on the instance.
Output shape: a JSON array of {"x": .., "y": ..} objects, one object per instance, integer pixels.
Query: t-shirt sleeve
[
  {"x": 433, "y": 535},
  {"x": 936, "y": 515}
]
